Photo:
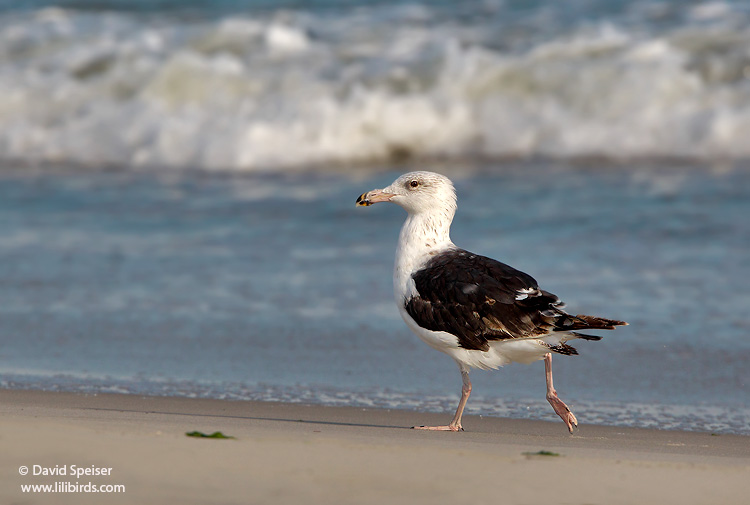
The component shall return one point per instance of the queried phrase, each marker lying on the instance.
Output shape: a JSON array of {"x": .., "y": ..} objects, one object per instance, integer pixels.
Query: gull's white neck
[{"x": 422, "y": 236}]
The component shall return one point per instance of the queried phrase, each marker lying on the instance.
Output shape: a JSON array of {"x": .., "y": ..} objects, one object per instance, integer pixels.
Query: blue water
[
  {"x": 277, "y": 287},
  {"x": 177, "y": 183}
]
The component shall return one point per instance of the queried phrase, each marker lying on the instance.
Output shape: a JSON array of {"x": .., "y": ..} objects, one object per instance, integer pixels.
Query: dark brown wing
[{"x": 479, "y": 300}]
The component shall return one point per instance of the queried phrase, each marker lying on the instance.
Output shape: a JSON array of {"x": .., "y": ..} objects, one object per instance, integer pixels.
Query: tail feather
[
  {"x": 585, "y": 337},
  {"x": 583, "y": 322},
  {"x": 563, "y": 348}
]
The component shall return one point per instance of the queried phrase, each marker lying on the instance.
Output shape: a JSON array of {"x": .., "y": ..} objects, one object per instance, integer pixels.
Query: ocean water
[
  {"x": 229, "y": 84},
  {"x": 177, "y": 186},
  {"x": 276, "y": 287}
]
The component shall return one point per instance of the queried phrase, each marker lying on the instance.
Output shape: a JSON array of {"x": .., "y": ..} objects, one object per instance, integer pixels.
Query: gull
[{"x": 479, "y": 311}]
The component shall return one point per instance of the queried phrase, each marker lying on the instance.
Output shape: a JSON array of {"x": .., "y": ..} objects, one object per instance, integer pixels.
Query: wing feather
[{"x": 479, "y": 300}]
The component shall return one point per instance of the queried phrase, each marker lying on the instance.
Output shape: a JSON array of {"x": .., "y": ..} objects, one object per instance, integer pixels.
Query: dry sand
[{"x": 298, "y": 454}]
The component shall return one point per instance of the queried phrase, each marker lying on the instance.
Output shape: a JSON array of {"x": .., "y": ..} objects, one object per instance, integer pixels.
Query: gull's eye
[{"x": 414, "y": 184}]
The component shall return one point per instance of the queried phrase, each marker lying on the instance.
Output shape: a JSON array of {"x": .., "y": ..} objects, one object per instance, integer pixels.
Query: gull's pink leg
[
  {"x": 561, "y": 409},
  {"x": 455, "y": 424}
]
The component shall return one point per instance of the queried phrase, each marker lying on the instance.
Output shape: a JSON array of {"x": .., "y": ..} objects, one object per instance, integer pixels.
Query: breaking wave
[{"x": 275, "y": 89}]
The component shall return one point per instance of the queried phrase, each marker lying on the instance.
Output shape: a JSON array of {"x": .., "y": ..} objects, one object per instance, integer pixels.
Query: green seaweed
[
  {"x": 541, "y": 453},
  {"x": 215, "y": 434}
]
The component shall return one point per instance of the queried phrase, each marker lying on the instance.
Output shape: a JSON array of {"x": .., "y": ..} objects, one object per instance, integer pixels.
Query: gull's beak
[{"x": 374, "y": 196}]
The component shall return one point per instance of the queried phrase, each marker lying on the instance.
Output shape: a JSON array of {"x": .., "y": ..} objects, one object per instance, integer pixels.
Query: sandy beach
[
  {"x": 287, "y": 453},
  {"x": 181, "y": 251}
]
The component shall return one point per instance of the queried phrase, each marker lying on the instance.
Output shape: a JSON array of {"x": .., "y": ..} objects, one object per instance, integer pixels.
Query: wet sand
[{"x": 295, "y": 454}]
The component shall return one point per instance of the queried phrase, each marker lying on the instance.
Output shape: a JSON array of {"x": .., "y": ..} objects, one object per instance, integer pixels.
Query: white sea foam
[
  {"x": 714, "y": 419},
  {"x": 277, "y": 90}
]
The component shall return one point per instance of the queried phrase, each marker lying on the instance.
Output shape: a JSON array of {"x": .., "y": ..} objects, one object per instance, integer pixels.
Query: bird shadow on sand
[{"x": 252, "y": 418}]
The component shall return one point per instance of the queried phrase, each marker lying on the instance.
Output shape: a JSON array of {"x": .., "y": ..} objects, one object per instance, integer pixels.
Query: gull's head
[{"x": 416, "y": 192}]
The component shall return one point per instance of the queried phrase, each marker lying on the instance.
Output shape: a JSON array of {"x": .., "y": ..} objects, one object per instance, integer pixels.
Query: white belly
[{"x": 501, "y": 352}]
